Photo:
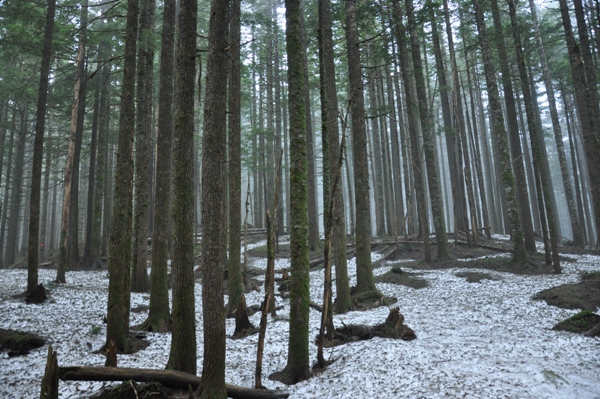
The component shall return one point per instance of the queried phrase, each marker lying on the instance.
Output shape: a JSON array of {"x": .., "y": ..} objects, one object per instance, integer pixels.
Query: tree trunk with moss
[
  {"x": 213, "y": 196},
  {"x": 499, "y": 131},
  {"x": 120, "y": 244},
  {"x": 330, "y": 120},
  {"x": 364, "y": 267},
  {"x": 297, "y": 368}
]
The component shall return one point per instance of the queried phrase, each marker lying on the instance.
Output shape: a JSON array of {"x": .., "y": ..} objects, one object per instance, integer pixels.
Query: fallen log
[
  {"x": 317, "y": 261},
  {"x": 594, "y": 331},
  {"x": 169, "y": 378}
]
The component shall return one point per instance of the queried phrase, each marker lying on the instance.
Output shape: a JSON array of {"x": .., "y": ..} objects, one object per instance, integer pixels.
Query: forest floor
[{"x": 480, "y": 333}]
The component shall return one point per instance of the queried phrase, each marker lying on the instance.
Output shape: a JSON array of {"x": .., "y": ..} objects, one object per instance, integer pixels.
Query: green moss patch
[
  {"x": 19, "y": 343},
  {"x": 579, "y": 323}
]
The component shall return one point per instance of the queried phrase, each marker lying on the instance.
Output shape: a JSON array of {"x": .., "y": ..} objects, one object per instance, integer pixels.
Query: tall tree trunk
[
  {"x": 45, "y": 198},
  {"x": 101, "y": 162},
  {"x": 4, "y": 216},
  {"x": 12, "y": 227},
  {"x": 213, "y": 195},
  {"x": 481, "y": 148},
  {"x": 159, "y": 318},
  {"x": 536, "y": 139},
  {"x": 140, "y": 282},
  {"x": 413, "y": 127},
  {"x": 330, "y": 121},
  {"x": 74, "y": 228},
  {"x": 89, "y": 219},
  {"x": 376, "y": 151},
  {"x": 390, "y": 214},
  {"x": 314, "y": 240},
  {"x": 38, "y": 151},
  {"x": 586, "y": 109},
  {"x": 452, "y": 138},
  {"x": 399, "y": 225},
  {"x": 459, "y": 125},
  {"x": 499, "y": 131},
  {"x": 428, "y": 139},
  {"x": 120, "y": 243},
  {"x": 364, "y": 267},
  {"x": 513, "y": 133},
  {"x": 278, "y": 172},
  {"x": 236, "y": 287},
  {"x": 574, "y": 166},
  {"x": 68, "y": 230},
  {"x": 586, "y": 52},
  {"x": 297, "y": 368}
]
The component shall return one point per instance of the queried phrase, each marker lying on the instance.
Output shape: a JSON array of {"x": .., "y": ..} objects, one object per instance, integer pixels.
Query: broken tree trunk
[
  {"x": 50, "y": 380},
  {"x": 169, "y": 378},
  {"x": 242, "y": 322}
]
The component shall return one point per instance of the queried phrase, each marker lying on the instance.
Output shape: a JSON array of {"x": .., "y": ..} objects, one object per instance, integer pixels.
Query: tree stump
[
  {"x": 38, "y": 295},
  {"x": 50, "y": 380},
  {"x": 395, "y": 328},
  {"x": 243, "y": 327}
]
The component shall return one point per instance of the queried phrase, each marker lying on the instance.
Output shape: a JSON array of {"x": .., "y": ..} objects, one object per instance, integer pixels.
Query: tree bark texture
[
  {"x": 236, "y": 287},
  {"x": 343, "y": 302},
  {"x": 213, "y": 196},
  {"x": 140, "y": 282},
  {"x": 120, "y": 242},
  {"x": 159, "y": 318},
  {"x": 182, "y": 356},
  {"x": 297, "y": 368},
  {"x": 364, "y": 271}
]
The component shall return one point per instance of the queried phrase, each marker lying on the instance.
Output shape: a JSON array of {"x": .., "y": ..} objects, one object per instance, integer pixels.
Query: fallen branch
[
  {"x": 169, "y": 378},
  {"x": 311, "y": 303}
]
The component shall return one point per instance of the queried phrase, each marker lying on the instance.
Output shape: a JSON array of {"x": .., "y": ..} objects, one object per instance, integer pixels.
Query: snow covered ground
[{"x": 475, "y": 340}]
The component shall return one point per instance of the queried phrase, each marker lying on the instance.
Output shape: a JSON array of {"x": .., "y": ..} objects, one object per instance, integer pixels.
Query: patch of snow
[{"x": 475, "y": 340}]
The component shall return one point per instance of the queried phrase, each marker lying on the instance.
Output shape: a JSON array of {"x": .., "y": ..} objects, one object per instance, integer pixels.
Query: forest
[{"x": 318, "y": 198}]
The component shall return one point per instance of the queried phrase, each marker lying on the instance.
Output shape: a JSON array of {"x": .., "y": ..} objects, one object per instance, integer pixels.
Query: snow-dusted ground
[{"x": 479, "y": 340}]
